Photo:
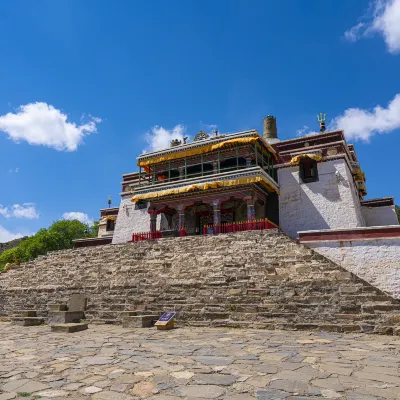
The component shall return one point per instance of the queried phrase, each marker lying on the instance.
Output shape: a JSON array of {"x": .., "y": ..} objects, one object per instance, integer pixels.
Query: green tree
[{"x": 58, "y": 236}]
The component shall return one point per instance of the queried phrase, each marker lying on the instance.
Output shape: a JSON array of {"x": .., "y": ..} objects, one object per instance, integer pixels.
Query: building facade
[{"x": 220, "y": 183}]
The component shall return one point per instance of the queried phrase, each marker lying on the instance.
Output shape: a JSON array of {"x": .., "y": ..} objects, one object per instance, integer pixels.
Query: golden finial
[{"x": 321, "y": 119}]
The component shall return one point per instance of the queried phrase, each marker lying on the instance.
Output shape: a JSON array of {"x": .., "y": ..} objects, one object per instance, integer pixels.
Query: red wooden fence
[{"x": 254, "y": 225}]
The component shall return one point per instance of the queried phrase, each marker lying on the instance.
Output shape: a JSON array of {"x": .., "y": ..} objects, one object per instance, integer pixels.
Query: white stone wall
[
  {"x": 131, "y": 221},
  {"x": 377, "y": 261},
  {"x": 332, "y": 202},
  {"x": 380, "y": 216}
]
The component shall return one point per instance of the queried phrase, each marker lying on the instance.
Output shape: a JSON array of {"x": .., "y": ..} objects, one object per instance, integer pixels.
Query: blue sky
[{"x": 86, "y": 86}]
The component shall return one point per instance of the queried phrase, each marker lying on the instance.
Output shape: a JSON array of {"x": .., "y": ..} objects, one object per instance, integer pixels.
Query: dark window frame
[
  {"x": 110, "y": 227},
  {"x": 308, "y": 170}
]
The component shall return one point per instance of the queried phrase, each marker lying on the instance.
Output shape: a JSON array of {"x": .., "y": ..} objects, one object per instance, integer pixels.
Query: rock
[
  {"x": 330, "y": 394},
  {"x": 92, "y": 389},
  {"x": 271, "y": 394},
  {"x": 108, "y": 395},
  {"x": 211, "y": 360},
  {"x": 297, "y": 387},
  {"x": 8, "y": 396},
  {"x": 214, "y": 379},
  {"x": 328, "y": 383},
  {"x": 143, "y": 389},
  {"x": 265, "y": 368},
  {"x": 53, "y": 393},
  {"x": 182, "y": 374},
  {"x": 200, "y": 391}
]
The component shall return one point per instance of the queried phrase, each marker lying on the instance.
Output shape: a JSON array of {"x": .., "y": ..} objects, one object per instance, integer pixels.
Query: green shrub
[{"x": 58, "y": 236}]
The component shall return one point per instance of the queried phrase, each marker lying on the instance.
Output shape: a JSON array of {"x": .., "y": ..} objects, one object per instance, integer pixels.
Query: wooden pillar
[
  {"x": 181, "y": 217},
  {"x": 153, "y": 219},
  {"x": 217, "y": 215},
  {"x": 251, "y": 211}
]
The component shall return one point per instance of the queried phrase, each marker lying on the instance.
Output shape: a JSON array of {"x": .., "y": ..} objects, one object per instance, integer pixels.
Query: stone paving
[{"x": 110, "y": 362}]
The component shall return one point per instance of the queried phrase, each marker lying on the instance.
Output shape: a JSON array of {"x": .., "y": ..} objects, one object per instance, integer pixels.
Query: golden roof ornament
[{"x": 321, "y": 119}]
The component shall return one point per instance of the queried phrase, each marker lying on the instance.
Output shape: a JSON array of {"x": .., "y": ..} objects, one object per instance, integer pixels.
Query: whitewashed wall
[
  {"x": 331, "y": 202},
  {"x": 377, "y": 261},
  {"x": 131, "y": 221},
  {"x": 380, "y": 216}
]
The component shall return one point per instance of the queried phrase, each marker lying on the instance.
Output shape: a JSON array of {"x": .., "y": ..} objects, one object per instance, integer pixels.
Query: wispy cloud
[
  {"x": 26, "y": 210},
  {"x": 159, "y": 138},
  {"x": 383, "y": 17},
  {"x": 13, "y": 170},
  {"x": 80, "y": 216},
  {"x": 208, "y": 127},
  {"x": 359, "y": 124},
  {"x": 305, "y": 131},
  {"x": 42, "y": 124}
]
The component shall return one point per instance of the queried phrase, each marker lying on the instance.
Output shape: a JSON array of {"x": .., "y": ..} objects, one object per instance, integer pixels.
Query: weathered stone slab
[
  {"x": 28, "y": 313},
  {"x": 77, "y": 302},
  {"x": 139, "y": 321},
  {"x": 65, "y": 317},
  {"x": 69, "y": 328},
  {"x": 58, "y": 307}
]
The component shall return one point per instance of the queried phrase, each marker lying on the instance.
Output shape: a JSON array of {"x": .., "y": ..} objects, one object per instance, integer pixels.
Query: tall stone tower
[{"x": 270, "y": 130}]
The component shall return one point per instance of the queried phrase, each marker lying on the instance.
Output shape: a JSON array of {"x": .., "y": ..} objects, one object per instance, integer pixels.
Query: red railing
[
  {"x": 254, "y": 225},
  {"x": 138, "y": 237}
]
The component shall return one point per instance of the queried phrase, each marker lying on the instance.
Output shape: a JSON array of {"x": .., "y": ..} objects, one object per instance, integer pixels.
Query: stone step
[
  {"x": 139, "y": 321},
  {"x": 69, "y": 328},
  {"x": 28, "y": 321}
]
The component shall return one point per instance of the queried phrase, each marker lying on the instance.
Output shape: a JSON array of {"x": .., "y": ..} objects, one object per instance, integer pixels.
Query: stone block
[
  {"x": 139, "y": 321},
  {"x": 69, "y": 328},
  {"x": 33, "y": 321},
  {"x": 65, "y": 317},
  {"x": 77, "y": 302},
  {"x": 28, "y": 313},
  {"x": 58, "y": 307},
  {"x": 28, "y": 321}
]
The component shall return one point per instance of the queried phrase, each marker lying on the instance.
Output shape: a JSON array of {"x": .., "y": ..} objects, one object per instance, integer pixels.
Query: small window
[
  {"x": 308, "y": 170},
  {"x": 140, "y": 205},
  {"x": 110, "y": 225}
]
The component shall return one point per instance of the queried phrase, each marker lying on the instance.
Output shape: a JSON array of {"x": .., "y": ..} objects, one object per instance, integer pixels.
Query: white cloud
[
  {"x": 42, "y": 124},
  {"x": 4, "y": 211},
  {"x": 13, "y": 170},
  {"x": 26, "y": 210},
  {"x": 361, "y": 124},
  {"x": 305, "y": 131},
  {"x": 160, "y": 138},
  {"x": 80, "y": 216},
  {"x": 6, "y": 236},
  {"x": 383, "y": 18}
]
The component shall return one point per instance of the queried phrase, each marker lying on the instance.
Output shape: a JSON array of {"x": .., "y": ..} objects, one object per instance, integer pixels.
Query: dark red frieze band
[{"x": 351, "y": 234}]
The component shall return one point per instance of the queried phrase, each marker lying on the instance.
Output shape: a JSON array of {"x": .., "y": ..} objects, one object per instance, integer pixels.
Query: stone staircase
[{"x": 259, "y": 279}]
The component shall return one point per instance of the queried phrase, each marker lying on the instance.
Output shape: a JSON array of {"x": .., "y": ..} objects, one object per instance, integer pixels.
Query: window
[
  {"x": 140, "y": 205},
  {"x": 308, "y": 170},
  {"x": 110, "y": 225}
]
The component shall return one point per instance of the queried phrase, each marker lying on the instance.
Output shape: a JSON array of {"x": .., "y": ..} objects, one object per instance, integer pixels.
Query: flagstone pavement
[{"x": 110, "y": 362}]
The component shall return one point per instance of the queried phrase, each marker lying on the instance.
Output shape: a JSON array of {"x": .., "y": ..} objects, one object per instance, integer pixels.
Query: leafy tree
[
  {"x": 398, "y": 212},
  {"x": 58, "y": 236},
  {"x": 94, "y": 229}
]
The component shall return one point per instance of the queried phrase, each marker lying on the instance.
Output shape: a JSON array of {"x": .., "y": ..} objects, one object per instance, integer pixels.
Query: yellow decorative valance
[
  {"x": 108, "y": 217},
  {"x": 204, "y": 186},
  {"x": 359, "y": 175},
  {"x": 313, "y": 156},
  {"x": 201, "y": 150}
]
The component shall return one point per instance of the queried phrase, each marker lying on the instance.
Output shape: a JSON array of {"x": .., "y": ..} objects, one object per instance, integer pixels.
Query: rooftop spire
[{"x": 321, "y": 119}]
